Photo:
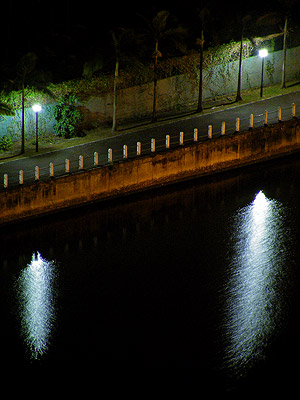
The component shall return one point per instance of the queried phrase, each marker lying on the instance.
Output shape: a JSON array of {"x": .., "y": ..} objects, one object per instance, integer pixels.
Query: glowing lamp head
[
  {"x": 36, "y": 108},
  {"x": 263, "y": 53}
]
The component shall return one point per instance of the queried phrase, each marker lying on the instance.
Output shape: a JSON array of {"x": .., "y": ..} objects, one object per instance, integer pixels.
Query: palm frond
[{"x": 6, "y": 109}]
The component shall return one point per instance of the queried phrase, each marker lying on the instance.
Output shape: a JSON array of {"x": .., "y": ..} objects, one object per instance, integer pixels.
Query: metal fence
[{"x": 160, "y": 143}]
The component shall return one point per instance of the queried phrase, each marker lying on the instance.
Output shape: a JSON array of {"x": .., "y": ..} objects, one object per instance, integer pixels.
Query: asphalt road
[{"x": 158, "y": 131}]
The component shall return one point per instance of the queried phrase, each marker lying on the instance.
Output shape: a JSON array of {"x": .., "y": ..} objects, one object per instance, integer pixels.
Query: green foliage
[
  {"x": 5, "y": 143},
  {"x": 67, "y": 117}
]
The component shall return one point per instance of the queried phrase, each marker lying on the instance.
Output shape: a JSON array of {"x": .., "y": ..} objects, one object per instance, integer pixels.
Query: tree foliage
[{"x": 67, "y": 116}]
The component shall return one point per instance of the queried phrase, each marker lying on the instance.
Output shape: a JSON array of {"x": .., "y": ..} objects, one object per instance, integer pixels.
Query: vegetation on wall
[{"x": 67, "y": 117}]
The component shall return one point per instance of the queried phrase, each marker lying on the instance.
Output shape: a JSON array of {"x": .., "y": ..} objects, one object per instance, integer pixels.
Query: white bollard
[
  {"x": 195, "y": 135},
  {"x": 279, "y": 114},
  {"x": 80, "y": 166},
  {"x": 266, "y": 118},
  {"x": 125, "y": 151},
  {"x": 167, "y": 141},
  {"x": 109, "y": 155},
  {"x": 152, "y": 145},
  {"x": 138, "y": 148},
  {"x": 96, "y": 159},
  {"x": 294, "y": 110},
  {"x": 251, "y": 121},
  {"x": 37, "y": 173},
  {"x": 181, "y": 138},
  {"x": 21, "y": 177},
  {"x": 51, "y": 170},
  {"x": 67, "y": 166},
  {"x": 5, "y": 180},
  {"x": 223, "y": 127},
  {"x": 237, "y": 125},
  {"x": 209, "y": 133}
]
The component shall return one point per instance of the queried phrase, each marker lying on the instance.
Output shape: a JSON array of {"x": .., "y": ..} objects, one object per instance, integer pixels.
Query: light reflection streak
[
  {"x": 36, "y": 285},
  {"x": 253, "y": 301}
]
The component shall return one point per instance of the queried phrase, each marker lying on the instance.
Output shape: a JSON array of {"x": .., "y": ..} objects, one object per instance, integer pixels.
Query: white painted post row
[
  {"x": 167, "y": 141},
  {"x": 181, "y": 138},
  {"x": 125, "y": 151},
  {"x": 223, "y": 128},
  {"x": 96, "y": 159},
  {"x": 37, "y": 173},
  {"x": 152, "y": 145},
  {"x": 109, "y": 155},
  {"x": 51, "y": 170},
  {"x": 21, "y": 177},
  {"x": 80, "y": 165},
  {"x": 209, "y": 133},
  {"x": 67, "y": 166},
  {"x": 138, "y": 151},
  {"x": 195, "y": 135}
]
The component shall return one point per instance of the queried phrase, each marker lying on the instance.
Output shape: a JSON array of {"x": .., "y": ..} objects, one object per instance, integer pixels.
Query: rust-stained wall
[{"x": 150, "y": 171}]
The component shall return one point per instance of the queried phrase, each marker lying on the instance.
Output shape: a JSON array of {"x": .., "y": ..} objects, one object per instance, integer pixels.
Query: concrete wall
[
  {"x": 143, "y": 173},
  {"x": 174, "y": 93},
  {"x": 180, "y": 91}
]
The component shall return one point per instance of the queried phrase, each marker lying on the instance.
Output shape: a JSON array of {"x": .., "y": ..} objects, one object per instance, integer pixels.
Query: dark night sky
[{"x": 54, "y": 29}]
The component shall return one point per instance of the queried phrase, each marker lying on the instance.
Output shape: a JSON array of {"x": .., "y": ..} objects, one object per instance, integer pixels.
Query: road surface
[{"x": 171, "y": 127}]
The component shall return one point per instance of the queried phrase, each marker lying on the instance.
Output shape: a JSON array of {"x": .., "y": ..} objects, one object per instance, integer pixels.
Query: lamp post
[
  {"x": 36, "y": 108},
  {"x": 262, "y": 53}
]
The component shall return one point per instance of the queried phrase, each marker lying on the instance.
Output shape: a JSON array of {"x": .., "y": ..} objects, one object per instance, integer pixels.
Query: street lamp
[
  {"x": 262, "y": 53},
  {"x": 36, "y": 108}
]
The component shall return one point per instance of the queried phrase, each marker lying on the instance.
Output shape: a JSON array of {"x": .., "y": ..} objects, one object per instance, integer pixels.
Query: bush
[
  {"x": 67, "y": 116},
  {"x": 5, "y": 143}
]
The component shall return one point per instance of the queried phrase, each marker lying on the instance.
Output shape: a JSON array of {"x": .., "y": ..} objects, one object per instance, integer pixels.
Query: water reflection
[
  {"x": 253, "y": 309},
  {"x": 36, "y": 293}
]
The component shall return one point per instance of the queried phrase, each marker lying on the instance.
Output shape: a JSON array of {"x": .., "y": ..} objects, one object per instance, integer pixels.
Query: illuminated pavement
[{"x": 158, "y": 131}]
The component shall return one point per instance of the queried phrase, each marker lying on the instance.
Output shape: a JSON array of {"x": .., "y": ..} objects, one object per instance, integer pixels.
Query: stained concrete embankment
[{"x": 142, "y": 173}]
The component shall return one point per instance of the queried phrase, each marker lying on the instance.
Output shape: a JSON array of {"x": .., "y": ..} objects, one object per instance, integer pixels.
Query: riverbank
[{"x": 151, "y": 171}]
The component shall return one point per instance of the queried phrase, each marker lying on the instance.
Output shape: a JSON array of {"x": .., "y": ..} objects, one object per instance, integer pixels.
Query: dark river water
[{"x": 202, "y": 277}]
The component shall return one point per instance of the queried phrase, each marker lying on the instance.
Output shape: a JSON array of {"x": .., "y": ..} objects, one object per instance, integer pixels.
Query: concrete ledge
[{"x": 151, "y": 171}]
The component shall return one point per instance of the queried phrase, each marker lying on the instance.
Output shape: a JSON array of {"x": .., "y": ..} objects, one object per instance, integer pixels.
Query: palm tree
[
  {"x": 204, "y": 16},
  {"x": 6, "y": 109},
  {"x": 120, "y": 40},
  {"x": 243, "y": 21},
  {"x": 157, "y": 31}
]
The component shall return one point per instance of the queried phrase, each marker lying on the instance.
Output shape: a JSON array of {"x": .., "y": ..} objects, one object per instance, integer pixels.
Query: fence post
[
  {"x": 96, "y": 159},
  {"x": 5, "y": 181},
  {"x": 21, "y": 177},
  {"x": 152, "y": 145},
  {"x": 181, "y": 138},
  {"x": 209, "y": 133},
  {"x": 294, "y": 110},
  {"x": 237, "y": 125},
  {"x": 251, "y": 122},
  {"x": 51, "y": 170},
  {"x": 37, "y": 173},
  {"x": 109, "y": 155},
  {"x": 223, "y": 128},
  {"x": 67, "y": 166},
  {"x": 279, "y": 114},
  {"x": 125, "y": 151},
  {"x": 80, "y": 162},
  {"x": 195, "y": 135},
  {"x": 167, "y": 141},
  {"x": 138, "y": 148},
  {"x": 266, "y": 118}
]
